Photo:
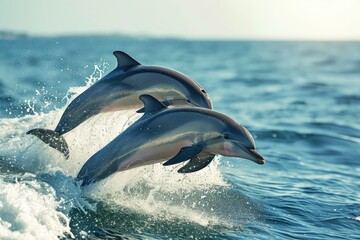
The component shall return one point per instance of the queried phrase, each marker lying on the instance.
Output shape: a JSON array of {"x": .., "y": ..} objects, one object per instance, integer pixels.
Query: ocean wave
[
  {"x": 28, "y": 210},
  {"x": 348, "y": 99}
]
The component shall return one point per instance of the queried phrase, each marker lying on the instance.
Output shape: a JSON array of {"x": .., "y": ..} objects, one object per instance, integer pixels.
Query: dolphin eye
[
  {"x": 226, "y": 137},
  {"x": 203, "y": 91},
  {"x": 188, "y": 100}
]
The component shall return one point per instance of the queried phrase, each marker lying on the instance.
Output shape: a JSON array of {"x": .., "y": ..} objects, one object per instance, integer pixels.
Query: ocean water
[{"x": 300, "y": 100}]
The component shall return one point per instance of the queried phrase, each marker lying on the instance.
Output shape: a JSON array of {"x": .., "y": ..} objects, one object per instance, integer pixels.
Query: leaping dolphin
[
  {"x": 120, "y": 90},
  {"x": 173, "y": 135}
]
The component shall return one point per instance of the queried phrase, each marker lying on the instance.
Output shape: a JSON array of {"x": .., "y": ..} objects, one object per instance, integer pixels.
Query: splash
[
  {"x": 162, "y": 192},
  {"x": 97, "y": 74},
  {"x": 154, "y": 190},
  {"x": 29, "y": 211}
]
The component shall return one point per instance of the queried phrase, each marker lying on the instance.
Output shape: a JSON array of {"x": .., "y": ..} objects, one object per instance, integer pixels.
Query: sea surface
[{"x": 300, "y": 100}]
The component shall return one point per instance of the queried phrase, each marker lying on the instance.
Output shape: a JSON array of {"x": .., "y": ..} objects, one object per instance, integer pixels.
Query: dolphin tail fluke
[{"x": 52, "y": 138}]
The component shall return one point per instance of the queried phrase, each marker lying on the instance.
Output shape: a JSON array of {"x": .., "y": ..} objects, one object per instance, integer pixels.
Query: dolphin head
[
  {"x": 239, "y": 143},
  {"x": 199, "y": 99}
]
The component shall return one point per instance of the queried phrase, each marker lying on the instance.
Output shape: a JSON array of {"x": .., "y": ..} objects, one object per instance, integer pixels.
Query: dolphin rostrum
[
  {"x": 120, "y": 90},
  {"x": 173, "y": 135}
]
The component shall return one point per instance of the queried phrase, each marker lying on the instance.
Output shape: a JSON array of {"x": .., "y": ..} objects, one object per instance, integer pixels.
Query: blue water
[{"x": 300, "y": 100}]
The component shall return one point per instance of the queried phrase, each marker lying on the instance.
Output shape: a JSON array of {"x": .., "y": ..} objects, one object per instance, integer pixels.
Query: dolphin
[
  {"x": 120, "y": 90},
  {"x": 171, "y": 135}
]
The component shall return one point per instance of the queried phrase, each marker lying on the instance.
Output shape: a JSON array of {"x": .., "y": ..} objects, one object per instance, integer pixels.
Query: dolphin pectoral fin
[
  {"x": 184, "y": 154},
  {"x": 52, "y": 138},
  {"x": 151, "y": 104},
  {"x": 125, "y": 62},
  {"x": 197, "y": 163}
]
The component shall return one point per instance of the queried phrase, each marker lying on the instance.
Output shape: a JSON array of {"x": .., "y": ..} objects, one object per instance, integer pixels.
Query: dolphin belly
[
  {"x": 122, "y": 103},
  {"x": 151, "y": 154}
]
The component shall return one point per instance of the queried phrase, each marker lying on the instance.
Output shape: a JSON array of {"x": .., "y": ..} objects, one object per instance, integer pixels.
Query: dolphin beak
[
  {"x": 256, "y": 157},
  {"x": 249, "y": 153}
]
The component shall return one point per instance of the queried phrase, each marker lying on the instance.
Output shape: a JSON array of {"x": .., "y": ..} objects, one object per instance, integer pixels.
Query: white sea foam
[
  {"x": 160, "y": 191},
  {"x": 38, "y": 207},
  {"x": 28, "y": 210}
]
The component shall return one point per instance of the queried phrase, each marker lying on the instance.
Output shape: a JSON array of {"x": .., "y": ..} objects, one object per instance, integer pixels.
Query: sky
[{"x": 198, "y": 19}]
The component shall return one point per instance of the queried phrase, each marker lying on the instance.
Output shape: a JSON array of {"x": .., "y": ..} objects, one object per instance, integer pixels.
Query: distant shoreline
[{"x": 9, "y": 35}]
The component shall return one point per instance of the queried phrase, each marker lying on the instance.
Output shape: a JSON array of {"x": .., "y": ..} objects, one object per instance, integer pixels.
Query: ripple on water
[{"x": 348, "y": 99}]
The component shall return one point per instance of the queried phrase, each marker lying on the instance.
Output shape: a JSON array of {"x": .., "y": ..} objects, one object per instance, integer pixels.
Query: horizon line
[{"x": 140, "y": 36}]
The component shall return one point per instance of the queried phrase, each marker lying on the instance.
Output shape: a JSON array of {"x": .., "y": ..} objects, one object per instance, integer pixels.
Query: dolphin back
[{"x": 52, "y": 138}]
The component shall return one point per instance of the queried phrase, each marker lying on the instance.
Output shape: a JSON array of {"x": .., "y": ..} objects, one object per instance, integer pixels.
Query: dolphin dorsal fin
[
  {"x": 125, "y": 61},
  {"x": 151, "y": 104}
]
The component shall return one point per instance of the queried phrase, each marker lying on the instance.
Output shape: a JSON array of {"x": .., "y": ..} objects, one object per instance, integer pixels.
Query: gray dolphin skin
[
  {"x": 173, "y": 135},
  {"x": 120, "y": 90}
]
